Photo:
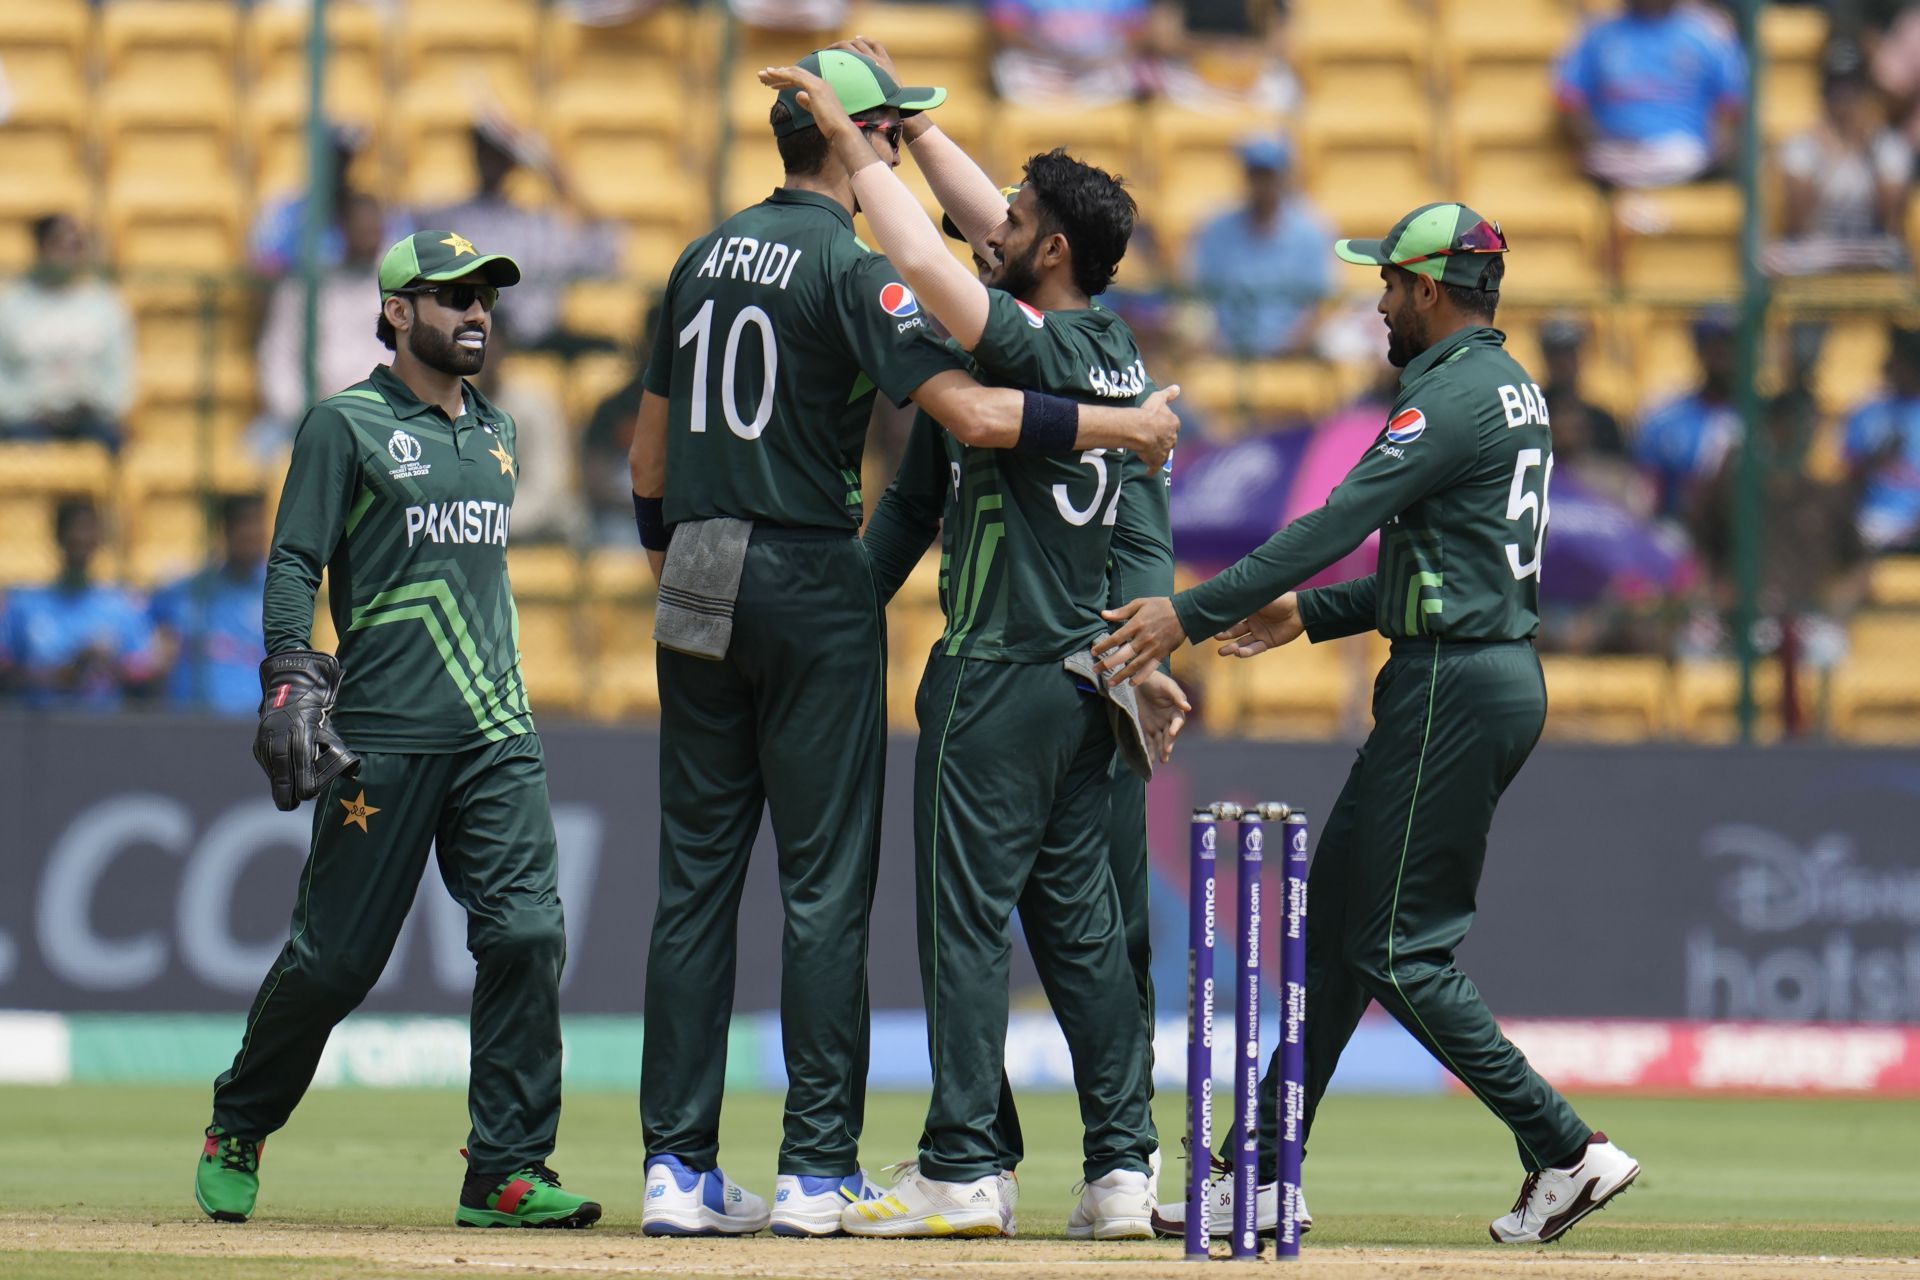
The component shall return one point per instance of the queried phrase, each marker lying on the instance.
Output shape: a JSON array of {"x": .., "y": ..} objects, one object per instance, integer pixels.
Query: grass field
[{"x": 94, "y": 1181}]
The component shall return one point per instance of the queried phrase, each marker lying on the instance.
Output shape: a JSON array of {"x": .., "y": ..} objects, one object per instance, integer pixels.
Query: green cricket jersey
[
  {"x": 408, "y": 513},
  {"x": 1028, "y": 537},
  {"x": 1457, "y": 485},
  {"x": 776, "y": 330}
]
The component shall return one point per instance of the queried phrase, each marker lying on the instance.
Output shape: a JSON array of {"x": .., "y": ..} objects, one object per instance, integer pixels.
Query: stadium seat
[
  {"x": 1852, "y": 358},
  {"x": 433, "y": 137},
  {"x": 1681, "y": 243},
  {"x": 167, "y": 536},
  {"x": 1706, "y": 700},
  {"x": 1106, "y": 136},
  {"x": 56, "y": 469},
  {"x": 636, "y": 54},
  {"x": 471, "y": 49},
  {"x": 549, "y": 656},
  {"x": 157, "y": 467},
  {"x": 625, "y": 684},
  {"x": 1876, "y": 691},
  {"x": 28, "y": 554},
  {"x": 619, "y": 146},
  {"x": 44, "y": 164},
  {"x": 1370, "y": 56},
  {"x": 1663, "y": 354},
  {"x": 169, "y": 43},
  {"x": 1606, "y": 699},
  {"x": 1307, "y": 691},
  {"x": 544, "y": 571},
  {"x": 276, "y": 41},
  {"x": 610, "y": 309},
  {"x": 1266, "y": 391},
  {"x": 1895, "y": 581},
  {"x": 43, "y": 41},
  {"x": 182, "y": 136},
  {"x": 911, "y": 633},
  {"x": 192, "y": 339},
  {"x": 170, "y": 226},
  {"x": 1792, "y": 40},
  {"x": 275, "y": 123},
  {"x": 619, "y": 574}
]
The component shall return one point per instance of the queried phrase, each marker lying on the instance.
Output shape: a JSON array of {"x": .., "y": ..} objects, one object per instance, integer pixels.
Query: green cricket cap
[
  {"x": 953, "y": 232},
  {"x": 1448, "y": 242},
  {"x": 860, "y": 85},
  {"x": 442, "y": 255}
]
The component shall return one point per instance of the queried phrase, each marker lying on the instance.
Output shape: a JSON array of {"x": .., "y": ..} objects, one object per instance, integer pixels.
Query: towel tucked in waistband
[
  {"x": 1123, "y": 713},
  {"x": 699, "y": 584}
]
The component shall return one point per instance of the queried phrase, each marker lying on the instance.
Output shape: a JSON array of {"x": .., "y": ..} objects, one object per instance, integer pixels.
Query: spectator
[
  {"x": 1586, "y": 438},
  {"x": 1223, "y": 54},
  {"x": 345, "y": 348},
  {"x": 75, "y": 644},
  {"x": 1083, "y": 52},
  {"x": 1845, "y": 182},
  {"x": 546, "y": 507},
  {"x": 550, "y": 248},
  {"x": 1266, "y": 264},
  {"x": 273, "y": 247},
  {"x": 605, "y": 473},
  {"x": 1651, "y": 95},
  {"x": 208, "y": 627},
  {"x": 66, "y": 345},
  {"x": 1683, "y": 442},
  {"x": 1881, "y": 444}
]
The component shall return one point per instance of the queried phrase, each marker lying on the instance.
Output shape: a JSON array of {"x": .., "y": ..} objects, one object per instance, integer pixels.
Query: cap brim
[
  {"x": 496, "y": 269},
  {"x": 1366, "y": 253},
  {"x": 912, "y": 100}
]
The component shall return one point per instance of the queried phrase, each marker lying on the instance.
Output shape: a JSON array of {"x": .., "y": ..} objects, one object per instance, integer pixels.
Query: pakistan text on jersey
[
  {"x": 468, "y": 521},
  {"x": 744, "y": 258},
  {"x": 1119, "y": 384}
]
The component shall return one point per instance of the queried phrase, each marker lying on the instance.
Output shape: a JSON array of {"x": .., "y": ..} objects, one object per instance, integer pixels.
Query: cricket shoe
[
  {"x": 1009, "y": 1200},
  {"x": 528, "y": 1197},
  {"x": 1552, "y": 1200},
  {"x": 1117, "y": 1206},
  {"x": 681, "y": 1202},
  {"x": 919, "y": 1206},
  {"x": 804, "y": 1205},
  {"x": 227, "y": 1179},
  {"x": 1170, "y": 1217}
]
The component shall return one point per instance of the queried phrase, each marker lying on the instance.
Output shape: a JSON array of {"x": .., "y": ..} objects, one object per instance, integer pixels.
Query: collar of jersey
[
  {"x": 790, "y": 195},
  {"x": 1424, "y": 363},
  {"x": 405, "y": 404}
]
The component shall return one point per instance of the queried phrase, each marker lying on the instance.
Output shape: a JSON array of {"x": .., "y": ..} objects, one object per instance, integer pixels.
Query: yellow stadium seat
[
  {"x": 619, "y": 146},
  {"x": 619, "y": 574},
  {"x": 592, "y": 378},
  {"x": 44, "y": 33},
  {"x": 28, "y": 553},
  {"x": 916, "y": 32},
  {"x": 1793, "y": 39},
  {"x": 45, "y": 171},
  {"x": 1503, "y": 66},
  {"x": 544, "y": 571},
  {"x": 166, "y": 225},
  {"x": 56, "y": 468},
  {"x": 181, "y": 136},
  {"x": 167, "y": 537},
  {"x": 1558, "y": 234},
  {"x": 1305, "y": 691},
  {"x": 1706, "y": 700},
  {"x": 276, "y": 42},
  {"x": 189, "y": 426},
  {"x": 169, "y": 42},
  {"x": 1265, "y": 390},
  {"x": 159, "y": 467},
  {"x": 611, "y": 309},
  {"x": 453, "y": 42},
  {"x": 192, "y": 340},
  {"x": 633, "y": 54},
  {"x": 1681, "y": 243},
  {"x": 1606, "y": 699},
  {"x": 1106, "y": 136},
  {"x": 625, "y": 684},
  {"x": 751, "y": 174},
  {"x": 275, "y": 122},
  {"x": 549, "y": 657},
  {"x": 1377, "y": 61},
  {"x": 1895, "y": 581},
  {"x": 911, "y": 633},
  {"x": 1852, "y": 359},
  {"x": 649, "y": 251},
  {"x": 1876, "y": 692},
  {"x": 1664, "y": 360}
]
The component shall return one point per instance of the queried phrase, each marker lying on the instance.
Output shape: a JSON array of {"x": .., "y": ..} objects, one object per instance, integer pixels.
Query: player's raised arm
[
  {"x": 1005, "y": 418},
  {"x": 912, "y": 243}
]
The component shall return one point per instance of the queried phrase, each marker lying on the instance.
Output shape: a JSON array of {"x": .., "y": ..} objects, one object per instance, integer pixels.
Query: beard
[
  {"x": 1403, "y": 345},
  {"x": 439, "y": 351},
  {"x": 1017, "y": 276}
]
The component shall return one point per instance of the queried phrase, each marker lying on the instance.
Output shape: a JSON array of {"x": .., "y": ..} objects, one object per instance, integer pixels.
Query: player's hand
[
  {"x": 868, "y": 48},
  {"x": 1159, "y": 427},
  {"x": 1163, "y": 713},
  {"x": 295, "y": 745},
  {"x": 1151, "y": 632},
  {"x": 821, "y": 102},
  {"x": 656, "y": 561},
  {"x": 1272, "y": 626}
]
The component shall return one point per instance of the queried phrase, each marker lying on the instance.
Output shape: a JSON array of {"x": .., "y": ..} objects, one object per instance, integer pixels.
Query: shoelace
[
  {"x": 538, "y": 1172},
  {"x": 1526, "y": 1191},
  {"x": 899, "y": 1169},
  {"x": 237, "y": 1155}
]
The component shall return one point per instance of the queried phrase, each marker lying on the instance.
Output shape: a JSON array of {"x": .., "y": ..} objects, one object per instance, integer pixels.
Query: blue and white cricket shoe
[
  {"x": 804, "y": 1205},
  {"x": 681, "y": 1202}
]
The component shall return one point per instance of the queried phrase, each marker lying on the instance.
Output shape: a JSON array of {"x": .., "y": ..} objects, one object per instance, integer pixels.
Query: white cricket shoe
[
  {"x": 804, "y": 1205},
  {"x": 1170, "y": 1218},
  {"x": 1009, "y": 1200},
  {"x": 1117, "y": 1206},
  {"x": 681, "y": 1202},
  {"x": 1552, "y": 1200},
  {"x": 919, "y": 1206}
]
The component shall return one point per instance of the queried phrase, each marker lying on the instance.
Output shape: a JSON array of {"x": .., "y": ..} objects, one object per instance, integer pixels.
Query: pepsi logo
[
  {"x": 1035, "y": 317},
  {"x": 898, "y": 300},
  {"x": 1405, "y": 427}
]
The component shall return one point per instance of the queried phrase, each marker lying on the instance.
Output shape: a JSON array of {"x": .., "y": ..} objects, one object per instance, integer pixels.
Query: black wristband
[
  {"x": 1048, "y": 424},
  {"x": 651, "y": 515}
]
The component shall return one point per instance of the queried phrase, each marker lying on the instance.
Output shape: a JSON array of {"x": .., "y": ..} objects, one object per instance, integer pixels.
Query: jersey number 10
[
  {"x": 699, "y": 332},
  {"x": 1522, "y": 501}
]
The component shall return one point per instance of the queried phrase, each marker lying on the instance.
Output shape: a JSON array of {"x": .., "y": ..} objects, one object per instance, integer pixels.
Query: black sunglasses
[
  {"x": 891, "y": 130},
  {"x": 457, "y": 297}
]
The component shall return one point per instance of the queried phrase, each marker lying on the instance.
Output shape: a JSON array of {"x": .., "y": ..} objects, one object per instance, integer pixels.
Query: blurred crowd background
[{"x": 162, "y": 329}]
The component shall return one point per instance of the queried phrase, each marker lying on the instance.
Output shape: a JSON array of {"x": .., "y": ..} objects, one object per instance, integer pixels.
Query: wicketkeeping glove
[{"x": 295, "y": 745}]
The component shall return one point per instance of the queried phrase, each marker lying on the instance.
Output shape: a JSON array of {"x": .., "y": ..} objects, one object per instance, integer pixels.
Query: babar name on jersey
[
  {"x": 1524, "y": 404},
  {"x": 753, "y": 261},
  {"x": 462, "y": 521},
  {"x": 1119, "y": 384}
]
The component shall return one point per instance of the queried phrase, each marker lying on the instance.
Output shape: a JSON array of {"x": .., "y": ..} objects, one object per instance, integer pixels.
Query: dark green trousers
[
  {"x": 793, "y": 720},
  {"x": 486, "y": 816},
  {"x": 1127, "y": 856},
  {"x": 1391, "y": 892},
  {"x": 1011, "y": 805}
]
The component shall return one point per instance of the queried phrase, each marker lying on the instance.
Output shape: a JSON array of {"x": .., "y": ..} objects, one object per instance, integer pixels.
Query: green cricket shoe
[
  {"x": 529, "y": 1197},
  {"x": 227, "y": 1179}
]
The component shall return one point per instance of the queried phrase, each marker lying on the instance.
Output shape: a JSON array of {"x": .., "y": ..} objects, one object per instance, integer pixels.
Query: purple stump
[
  {"x": 1201, "y": 928},
  {"x": 1246, "y": 1022},
  {"x": 1293, "y": 981}
]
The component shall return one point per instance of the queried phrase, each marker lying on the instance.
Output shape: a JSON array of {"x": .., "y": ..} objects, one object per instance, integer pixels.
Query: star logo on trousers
[{"x": 358, "y": 811}]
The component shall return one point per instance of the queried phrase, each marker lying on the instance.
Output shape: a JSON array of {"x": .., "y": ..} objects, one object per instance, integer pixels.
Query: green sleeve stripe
[
  {"x": 359, "y": 394},
  {"x": 360, "y": 506},
  {"x": 861, "y": 386}
]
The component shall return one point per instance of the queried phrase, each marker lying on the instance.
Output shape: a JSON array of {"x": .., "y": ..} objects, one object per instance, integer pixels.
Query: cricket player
[
  {"x": 999, "y": 826},
  {"x": 1457, "y": 486},
  {"x": 778, "y": 330},
  {"x": 416, "y": 736}
]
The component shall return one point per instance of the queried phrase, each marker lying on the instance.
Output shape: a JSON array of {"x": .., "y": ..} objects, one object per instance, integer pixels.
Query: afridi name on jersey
[
  {"x": 409, "y": 514},
  {"x": 1027, "y": 537},
  {"x": 1456, "y": 483}
]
